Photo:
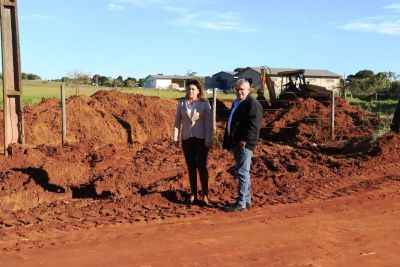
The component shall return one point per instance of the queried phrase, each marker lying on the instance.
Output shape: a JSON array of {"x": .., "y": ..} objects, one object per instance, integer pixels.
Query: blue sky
[{"x": 137, "y": 38}]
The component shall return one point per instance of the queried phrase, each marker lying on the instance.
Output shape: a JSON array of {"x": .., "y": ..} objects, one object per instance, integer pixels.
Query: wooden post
[
  {"x": 63, "y": 116},
  {"x": 333, "y": 116},
  {"x": 214, "y": 114},
  {"x": 12, "y": 79}
]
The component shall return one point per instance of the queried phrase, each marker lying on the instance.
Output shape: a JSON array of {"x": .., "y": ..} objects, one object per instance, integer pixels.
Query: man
[
  {"x": 241, "y": 137},
  {"x": 395, "y": 126}
]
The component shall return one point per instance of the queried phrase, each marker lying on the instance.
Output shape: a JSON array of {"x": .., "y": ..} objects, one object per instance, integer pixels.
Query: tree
[
  {"x": 116, "y": 83},
  {"x": 103, "y": 80},
  {"x": 33, "y": 77},
  {"x": 362, "y": 74},
  {"x": 66, "y": 80},
  {"x": 141, "y": 81},
  {"x": 30, "y": 76},
  {"x": 367, "y": 84},
  {"x": 77, "y": 77},
  {"x": 191, "y": 73},
  {"x": 130, "y": 82}
]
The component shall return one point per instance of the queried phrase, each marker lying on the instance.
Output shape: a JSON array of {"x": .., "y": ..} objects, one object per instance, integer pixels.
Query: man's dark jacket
[{"x": 245, "y": 124}]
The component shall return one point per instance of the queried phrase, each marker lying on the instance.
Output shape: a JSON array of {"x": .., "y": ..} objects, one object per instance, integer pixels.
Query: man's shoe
[
  {"x": 247, "y": 205},
  {"x": 235, "y": 207}
]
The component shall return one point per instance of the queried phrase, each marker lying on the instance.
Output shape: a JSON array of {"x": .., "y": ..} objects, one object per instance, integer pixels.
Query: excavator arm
[{"x": 267, "y": 82}]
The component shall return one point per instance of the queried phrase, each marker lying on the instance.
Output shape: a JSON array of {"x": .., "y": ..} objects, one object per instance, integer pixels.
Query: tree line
[
  {"x": 77, "y": 77},
  {"x": 366, "y": 84},
  {"x": 26, "y": 76},
  {"x": 101, "y": 80}
]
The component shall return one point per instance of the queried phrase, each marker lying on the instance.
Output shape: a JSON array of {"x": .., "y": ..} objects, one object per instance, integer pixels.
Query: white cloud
[
  {"x": 175, "y": 9},
  {"x": 209, "y": 20},
  {"x": 384, "y": 27},
  {"x": 388, "y": 24},
  {"x": 394, "y": 7},
  {"x": 143, "y": 3},
  {"x": 190, "y": 15},
  {"x": 115, "y": 7}
]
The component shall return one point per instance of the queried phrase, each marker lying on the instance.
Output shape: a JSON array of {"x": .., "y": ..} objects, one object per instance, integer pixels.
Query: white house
[{"x": 176, "y": 82}]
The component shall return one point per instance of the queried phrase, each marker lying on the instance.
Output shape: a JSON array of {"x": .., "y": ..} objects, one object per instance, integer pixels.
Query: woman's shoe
[
  {"x": 189, "y": 200},
  {"x": 205, "y": 200}
]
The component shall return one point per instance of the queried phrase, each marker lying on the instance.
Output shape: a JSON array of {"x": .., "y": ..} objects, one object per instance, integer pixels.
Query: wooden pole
[
  {"x": 63, "y": 116},
  {"x": 333, "y": 116},
  {"x": 214, "y": 114},
  {"x": 12, "y": 81}
]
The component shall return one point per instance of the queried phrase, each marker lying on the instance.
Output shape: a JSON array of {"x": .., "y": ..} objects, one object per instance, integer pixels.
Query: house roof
[
  {"x": 308, "y": 72},
  {"x": 233, "y": 73},
  {"x": 171, "y": 77}
]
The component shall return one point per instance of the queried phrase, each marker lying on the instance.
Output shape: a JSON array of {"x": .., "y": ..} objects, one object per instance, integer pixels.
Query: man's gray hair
[{"x": 242, "y": 82}]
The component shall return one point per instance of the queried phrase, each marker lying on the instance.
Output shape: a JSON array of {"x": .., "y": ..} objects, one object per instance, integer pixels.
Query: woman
[{"x": 194, "y": 115}]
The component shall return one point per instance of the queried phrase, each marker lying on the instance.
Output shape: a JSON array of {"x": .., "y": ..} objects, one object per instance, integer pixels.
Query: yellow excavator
[{"x": 295, "y": 86}]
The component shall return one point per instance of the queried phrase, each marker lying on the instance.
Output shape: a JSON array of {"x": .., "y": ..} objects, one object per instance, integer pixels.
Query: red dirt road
[{"x": 356, "y": 230}]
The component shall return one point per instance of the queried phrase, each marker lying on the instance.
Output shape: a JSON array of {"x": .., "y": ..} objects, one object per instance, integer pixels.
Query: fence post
[
  {"x": 214, "y": 114},
  {"x": 63, "y": 116},
  {"x": 333, "y": 116}
]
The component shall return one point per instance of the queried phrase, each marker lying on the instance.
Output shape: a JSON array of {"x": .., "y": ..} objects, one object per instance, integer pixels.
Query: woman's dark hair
[{"x": 201, "y": 95}]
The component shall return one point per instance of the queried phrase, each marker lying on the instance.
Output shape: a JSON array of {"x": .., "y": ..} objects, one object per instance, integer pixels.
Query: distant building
[
  {"x": 176, "y": 82},
  {"x": 225, "y": 80}
]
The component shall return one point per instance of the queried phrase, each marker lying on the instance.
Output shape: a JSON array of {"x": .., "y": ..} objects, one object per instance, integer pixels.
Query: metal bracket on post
[{"x": 12, "y": 84}]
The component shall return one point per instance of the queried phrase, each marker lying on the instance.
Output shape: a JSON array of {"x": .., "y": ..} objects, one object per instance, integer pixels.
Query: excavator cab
[{"x": 292, "y": 84}]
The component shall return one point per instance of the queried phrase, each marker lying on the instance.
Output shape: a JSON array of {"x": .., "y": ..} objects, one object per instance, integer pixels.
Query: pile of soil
[
  {"x": 121, "y": 166},
  {"x": 307, "y": 122},
  {"x": 103, "y": 118}
]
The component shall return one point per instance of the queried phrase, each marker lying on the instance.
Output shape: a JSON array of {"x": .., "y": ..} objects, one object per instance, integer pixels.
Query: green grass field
[
  {"x": 35, "y": 91},
  {"x": 384, "y": 107}
]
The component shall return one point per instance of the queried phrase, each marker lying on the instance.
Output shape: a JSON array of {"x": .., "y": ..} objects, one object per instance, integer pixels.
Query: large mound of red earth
[
  {"x": 120, "y": 164},
  {"x": 308, "y": 121},
  {"x": 105, "y": 117}
]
